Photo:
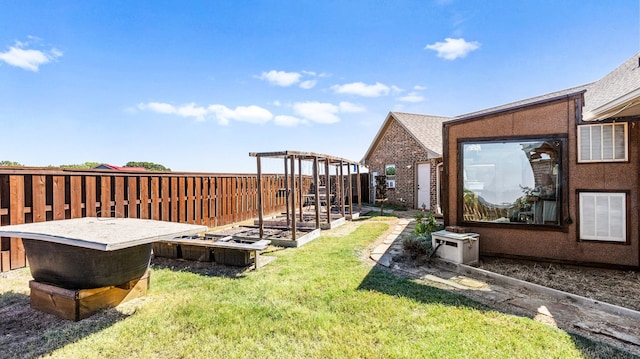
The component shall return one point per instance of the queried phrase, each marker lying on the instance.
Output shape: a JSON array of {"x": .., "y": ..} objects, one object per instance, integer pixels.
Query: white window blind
[
  {"x": 603, "y": 216},
  {"x": 602, "y": 142}
]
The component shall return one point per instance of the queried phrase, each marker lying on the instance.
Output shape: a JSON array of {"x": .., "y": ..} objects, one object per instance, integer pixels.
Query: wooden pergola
[{"x": 289, "y": 160}]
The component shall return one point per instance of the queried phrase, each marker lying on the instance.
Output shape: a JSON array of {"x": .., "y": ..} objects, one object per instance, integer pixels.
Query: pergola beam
[{"x": 294, "y": 192}]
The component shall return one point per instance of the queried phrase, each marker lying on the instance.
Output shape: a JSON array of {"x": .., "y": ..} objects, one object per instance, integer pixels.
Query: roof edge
[{"x": 475, "y": 116}]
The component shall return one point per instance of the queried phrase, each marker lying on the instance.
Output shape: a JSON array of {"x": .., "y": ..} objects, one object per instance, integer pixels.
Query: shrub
[
  {"x": 417, "y": 246},
  {"x": 425, "y": 225}
]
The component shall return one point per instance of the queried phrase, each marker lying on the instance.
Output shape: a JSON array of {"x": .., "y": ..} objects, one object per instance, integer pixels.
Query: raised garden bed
[{"x": 278, "y": 235}]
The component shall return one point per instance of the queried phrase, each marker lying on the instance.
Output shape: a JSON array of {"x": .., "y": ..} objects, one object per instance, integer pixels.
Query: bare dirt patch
[{"x": 618, "y": 287}]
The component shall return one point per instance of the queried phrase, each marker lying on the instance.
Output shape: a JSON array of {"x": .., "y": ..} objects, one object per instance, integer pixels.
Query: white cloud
[
  {"x": 362, "y": 89},
  {"x": 411, "y": 97},
  {"x": 158, "y": 107},
  {"x": 28, "y": 59},
  {"x": 289, "y": 121},
  {"x": 317, "y": 111},
  {"x": 452, "y": 49},
  {"x": 308, "y": 84},
  {"x": 280, "y": 78},
  {"x": 419, "y": 87},
  {"x": 191, "y": 110},
  {"x": 188, "y": 110},
  {"x": 250, "y": 114},
  {"x": 350, "y": 107},
  {"x": 396, "y": 89}
]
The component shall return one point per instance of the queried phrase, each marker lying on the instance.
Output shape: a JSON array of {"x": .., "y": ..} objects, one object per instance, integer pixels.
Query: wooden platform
[
  {"x": 225, "y": 250},
  {"x": 79, "y": 304}
]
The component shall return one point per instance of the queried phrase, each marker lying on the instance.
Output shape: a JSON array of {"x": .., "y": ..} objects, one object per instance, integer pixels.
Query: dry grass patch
[{"x": 618, "y": 287}]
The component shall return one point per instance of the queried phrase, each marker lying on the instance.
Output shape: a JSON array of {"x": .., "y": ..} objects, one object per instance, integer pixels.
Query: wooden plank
[
  {"x": 182, "y": 198},
  {"x": 215, "y": 202},
  {"x": 224, "y": 194},
  {"x": 16, "y": 216},
  {"x": 39, "y": 198},
  {"x": 59, "y": 198},
  {"x": 132, "y": 198},
  {"x": 90, "y": 198},
  {"x": 174, "y": 199},
  {"x": 53, "y": 300},
  {"x": 155, "y": 198},
  {"x": 78, "y": 304},
  {"x": 119, "y": 198},
  {"x": 165, "y": 199},
  {"x": 206, "y": 202},
  {"x": 105, "y": 196},
  {"x": 191, "y": 201},
  {"x": 233, "y": 191},
  {"x": 198, "y": 201},
  {"x": 76, "y": 196},
  {"x": 91, "y": 302},
  {"x": 4, "y": 181},
  {"x": 144, "y": 197},
  {"x": 5, "y": 261}
]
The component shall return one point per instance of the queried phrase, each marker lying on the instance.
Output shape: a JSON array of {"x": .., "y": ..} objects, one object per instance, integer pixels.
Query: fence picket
[{"x": 17, "y": 257}]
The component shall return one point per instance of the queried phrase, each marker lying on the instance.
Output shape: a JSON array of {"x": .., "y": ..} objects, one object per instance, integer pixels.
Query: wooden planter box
[
  {"x": 166, "y": 250},
  {"x": 78, "y": 304},
  {"x": 5, "y": 264},
  {"x": 233, "y": 257},
  {"x": 195, "y": 253}
]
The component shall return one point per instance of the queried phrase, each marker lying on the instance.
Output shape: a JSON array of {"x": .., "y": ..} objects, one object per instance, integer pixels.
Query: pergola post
[
  {"x": 359, "y": 189},
  {"x": 350, "y": 191},
  {"x": 327, "y": 190},
  {"x": 341, "y": 189},
  {"x": 260, "y": 210},
  {"x": 293, "y": 197},
  {"x": 316, "y": 194},
  {"x": 286, "y": 188},
  {"x": 300, "y": 197}
]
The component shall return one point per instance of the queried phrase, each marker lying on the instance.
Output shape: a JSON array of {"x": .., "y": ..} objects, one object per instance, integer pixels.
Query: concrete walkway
[{"x": 617, "y": 326}]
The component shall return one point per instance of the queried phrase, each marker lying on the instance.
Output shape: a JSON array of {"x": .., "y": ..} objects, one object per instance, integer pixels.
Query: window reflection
[{"x": 511, "y": 182}]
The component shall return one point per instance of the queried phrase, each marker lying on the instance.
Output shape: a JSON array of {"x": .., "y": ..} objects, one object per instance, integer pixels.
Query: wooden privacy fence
[{"x": 30, "y": 195}]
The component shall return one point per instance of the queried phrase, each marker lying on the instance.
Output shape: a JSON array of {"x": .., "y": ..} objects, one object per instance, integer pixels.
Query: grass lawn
[{"x": 317, "y": 301}]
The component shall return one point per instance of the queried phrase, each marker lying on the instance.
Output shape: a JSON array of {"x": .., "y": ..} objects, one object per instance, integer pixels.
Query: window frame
[
  {"x": 601, "y": 144},
  {"x": 390, "y": 173},
  {"x": 562, "y": 194},
  {"x": 603, "y": 193}
]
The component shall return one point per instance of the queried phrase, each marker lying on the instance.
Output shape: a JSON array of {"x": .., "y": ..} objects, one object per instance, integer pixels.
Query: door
[{"x": 424, "y": 185}]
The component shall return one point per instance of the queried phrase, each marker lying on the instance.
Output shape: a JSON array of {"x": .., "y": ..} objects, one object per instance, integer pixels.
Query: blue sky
[{"x": 197, "y": 85}]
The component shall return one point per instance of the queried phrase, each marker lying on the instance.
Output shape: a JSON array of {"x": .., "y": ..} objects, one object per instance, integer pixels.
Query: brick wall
[{"x": 397, "y": 147}]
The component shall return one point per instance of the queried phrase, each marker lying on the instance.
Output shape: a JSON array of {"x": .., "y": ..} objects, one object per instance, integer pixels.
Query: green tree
[
  {"x": 85, "y": 165},
  {"x": 148, "y": 165},
  {"x": 5, "y": 163}
]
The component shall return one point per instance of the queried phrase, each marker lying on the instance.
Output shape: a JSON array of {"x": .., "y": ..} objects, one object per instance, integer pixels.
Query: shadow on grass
[
  {"x": 381, "y": 280},
  {"x": 208, "y": 269},
  {"x": 29, "y": 333}
]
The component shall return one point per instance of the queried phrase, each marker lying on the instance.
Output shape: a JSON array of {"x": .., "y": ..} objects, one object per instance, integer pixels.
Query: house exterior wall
[
  {"x": 561, "y": 244},
  {"x": 397, "y": 147}
]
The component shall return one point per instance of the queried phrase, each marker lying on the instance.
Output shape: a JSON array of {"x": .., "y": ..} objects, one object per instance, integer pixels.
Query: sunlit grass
[{"x": 318, "y": 301}]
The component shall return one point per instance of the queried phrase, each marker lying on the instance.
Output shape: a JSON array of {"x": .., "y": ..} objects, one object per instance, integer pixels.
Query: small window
[
  {"x": 391, "y": 183},
  {"x": 603, "y": 216},
  {"x": 602, "y": 142},
  {"x": 390, "y": 170}
]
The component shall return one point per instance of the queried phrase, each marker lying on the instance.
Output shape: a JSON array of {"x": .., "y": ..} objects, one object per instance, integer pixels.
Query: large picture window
[{"x": 514, "y": 182}]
